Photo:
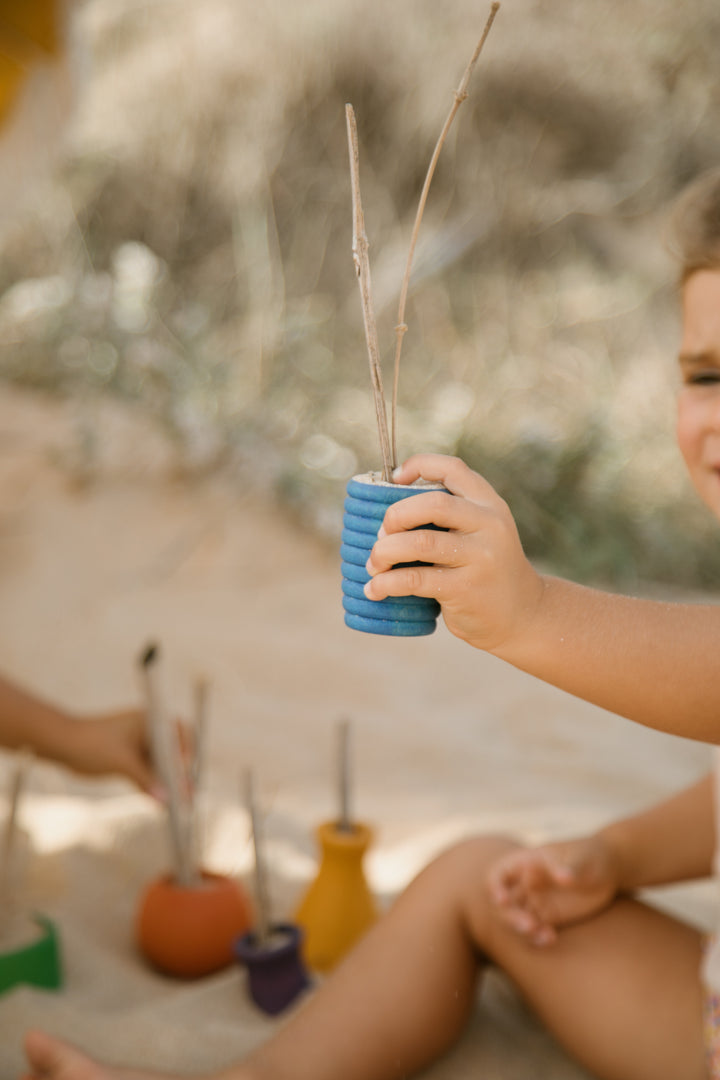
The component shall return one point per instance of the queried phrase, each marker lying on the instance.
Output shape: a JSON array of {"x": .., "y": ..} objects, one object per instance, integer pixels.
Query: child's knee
[{"x": 465, "y": 865}]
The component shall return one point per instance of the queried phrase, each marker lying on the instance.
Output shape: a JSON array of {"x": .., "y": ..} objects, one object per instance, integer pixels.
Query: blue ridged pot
[{"x": 368, "y": 497}]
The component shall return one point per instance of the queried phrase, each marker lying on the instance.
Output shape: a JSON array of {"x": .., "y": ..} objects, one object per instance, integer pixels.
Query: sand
[{"x": 95, "y": 562}]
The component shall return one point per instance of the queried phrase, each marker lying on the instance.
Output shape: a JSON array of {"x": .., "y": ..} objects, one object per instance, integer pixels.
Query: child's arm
[
  {"x": 652, "y": 662},
  {"x": 672, "y": 841},
  {"x": 95, "y": 745},
  {"x": 539, "y": 890}
]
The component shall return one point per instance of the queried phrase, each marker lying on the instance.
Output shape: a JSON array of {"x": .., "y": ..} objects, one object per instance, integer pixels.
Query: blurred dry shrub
[{"x": 193, "y": 253}]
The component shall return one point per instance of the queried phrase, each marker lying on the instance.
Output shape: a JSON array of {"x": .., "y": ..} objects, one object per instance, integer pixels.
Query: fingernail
[
  {"x": 397, "y": 472},
  {"x": 366, "y": 588},
  {"x": 381, "y": 532},
  {"x": 158, "y": 792},
  {"x": 369, "y": 567}
]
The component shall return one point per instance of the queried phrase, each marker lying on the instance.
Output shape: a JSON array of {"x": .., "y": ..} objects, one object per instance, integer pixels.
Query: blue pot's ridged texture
[{"x": 397, "y": 616}]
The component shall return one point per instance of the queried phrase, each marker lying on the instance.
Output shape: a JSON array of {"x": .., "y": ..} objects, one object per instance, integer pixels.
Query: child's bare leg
[
  {"x": 403, "y": 995},
  {"x": 398, "y": 1000},
  {"x": 620, "y": 990}
]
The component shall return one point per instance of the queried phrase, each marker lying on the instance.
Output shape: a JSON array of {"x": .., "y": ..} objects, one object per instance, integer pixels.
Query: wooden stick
[
  {"x": 8, "y": 886},
  {"x": 166, "y": 757},
  {"x": 200, "y": 698},
  {"x": 261, "y": 890},
  {"x": 197, "y": 767},
  {"x": 362, "y": 269},
  {"x": 345, "y": 819},
  {"x": 460, "y": 95}
]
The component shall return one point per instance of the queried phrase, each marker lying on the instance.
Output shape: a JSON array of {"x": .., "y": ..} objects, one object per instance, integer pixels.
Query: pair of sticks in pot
[
  {"x": 179, "y": 764},
  {"x": 10, "y": 873},
  {"x": 345, "y": 824},
  {"x": 180, "y": 770}
]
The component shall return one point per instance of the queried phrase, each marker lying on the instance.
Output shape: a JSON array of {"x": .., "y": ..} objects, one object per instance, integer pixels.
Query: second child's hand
[{"x": 537, "y": 891}]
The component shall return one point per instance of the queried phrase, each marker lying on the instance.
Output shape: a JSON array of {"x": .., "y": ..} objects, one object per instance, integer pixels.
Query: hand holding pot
[{"x": 487, "y": 589}]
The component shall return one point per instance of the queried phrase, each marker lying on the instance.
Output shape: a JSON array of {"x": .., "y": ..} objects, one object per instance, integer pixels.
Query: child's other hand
[
  {"x": 113, "y": 743},
  {"x": 488, "y": 590},
  {"x": 539, "y": 890}
]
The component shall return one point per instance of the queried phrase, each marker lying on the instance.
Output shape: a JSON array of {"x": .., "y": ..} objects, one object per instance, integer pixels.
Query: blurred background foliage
[{"x": 191, "y": 252}]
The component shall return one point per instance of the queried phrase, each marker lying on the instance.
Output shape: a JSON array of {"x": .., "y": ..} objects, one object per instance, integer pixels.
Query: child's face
[{"x": 698, "y": 416}]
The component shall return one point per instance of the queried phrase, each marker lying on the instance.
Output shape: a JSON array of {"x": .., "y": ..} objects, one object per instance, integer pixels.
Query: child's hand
[
  {"x": 488, "y": 590},
  {"x": 538, "y": 890},
  {"x": 113, "y": 743}
]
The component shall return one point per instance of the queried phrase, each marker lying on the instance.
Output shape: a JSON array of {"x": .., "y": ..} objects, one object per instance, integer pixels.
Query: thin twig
[
  {"x": 200, "y": 697},
  {"x": 167, "y": 760},
  {"x": 8, "y": 881},
  {"x": 197, "y": 767},
  {"x": 460, "y": 95},
  {"x": 362, "y": 269},
  {"x": 345, "y": 819},
  {"x": 261, "y": 889}
]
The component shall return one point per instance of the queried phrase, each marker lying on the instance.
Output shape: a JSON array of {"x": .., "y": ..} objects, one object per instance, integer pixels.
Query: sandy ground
[{"x": 447, "y": 741}]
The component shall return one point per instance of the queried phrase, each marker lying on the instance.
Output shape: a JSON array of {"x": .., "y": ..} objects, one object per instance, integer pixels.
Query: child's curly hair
[{"x": 695, "y": 225}]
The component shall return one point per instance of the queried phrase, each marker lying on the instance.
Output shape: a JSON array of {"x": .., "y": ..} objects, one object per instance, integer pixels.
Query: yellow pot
[{"x": 338, "y": 907}]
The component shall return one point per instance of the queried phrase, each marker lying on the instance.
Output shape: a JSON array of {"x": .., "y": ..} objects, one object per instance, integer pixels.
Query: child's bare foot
[{"x": 53, "y": 1059}]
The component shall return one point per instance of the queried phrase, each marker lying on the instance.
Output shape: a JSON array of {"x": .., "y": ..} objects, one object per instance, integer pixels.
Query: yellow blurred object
[
  {"x": 30, "y": 33},
  {"x": 338, "y": 907},
  {"x": 39, "y": 68}
]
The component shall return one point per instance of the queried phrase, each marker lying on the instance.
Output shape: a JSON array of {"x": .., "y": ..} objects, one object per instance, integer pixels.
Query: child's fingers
[
  {"x": 519, "y": 908},
  {"x": 430, "y": 581},
  {"x": 436, "y": 507},
  {"x": 520, "y": 920},
  {"x": 451, "y": 472},
  {"x": 144, "y": 777},
  {"x": 524, "y": 887},
  {"x": 546, "y": 871},
  {"x": 504, "y": 887},
  {"x": 561, "y": 873},
  {"x": 525, "y": 920},
  {"x": 423, "y": 545},
  {"x": 525, "y": 870},
  {"x": 508, "y": 886},
  {"x": 501, "y": 890},
  {"x": 545, "y": 935}
]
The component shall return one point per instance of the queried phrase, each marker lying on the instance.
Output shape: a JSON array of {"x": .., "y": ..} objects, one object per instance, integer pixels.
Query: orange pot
[{"x": 189, "y": 930}]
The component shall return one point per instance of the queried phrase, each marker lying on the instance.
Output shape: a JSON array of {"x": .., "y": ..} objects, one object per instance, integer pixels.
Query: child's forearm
[
  {"x": 652, "y": 662},
  {"x": 649, "y": 661},
  {"x": 26, "y": 720},
  {"x": 673, "y": 841}
]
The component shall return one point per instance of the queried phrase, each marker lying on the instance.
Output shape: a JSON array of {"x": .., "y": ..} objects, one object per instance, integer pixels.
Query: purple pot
[{"x": 276, "y": 974}]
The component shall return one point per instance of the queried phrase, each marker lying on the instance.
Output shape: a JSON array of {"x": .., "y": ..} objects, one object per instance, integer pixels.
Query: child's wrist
[
  {"x": 531, "y": 622},
  {"x": 618, "y": 856}
]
